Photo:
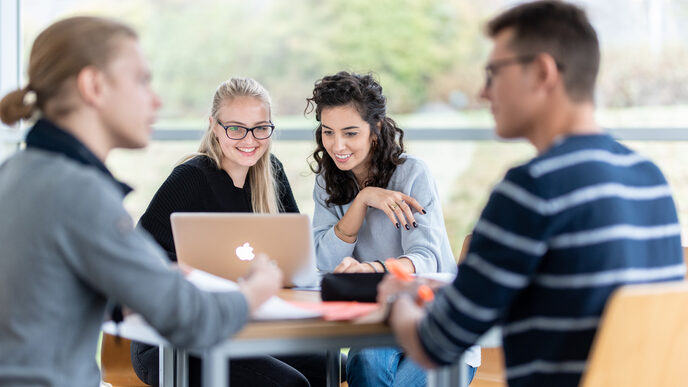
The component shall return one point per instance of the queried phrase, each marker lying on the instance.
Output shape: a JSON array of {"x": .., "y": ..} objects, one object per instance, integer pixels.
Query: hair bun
[{"x": 17, "y": 105}]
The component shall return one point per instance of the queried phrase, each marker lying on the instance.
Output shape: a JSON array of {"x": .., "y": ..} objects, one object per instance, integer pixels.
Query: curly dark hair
[{"x": 365, "y": 94}]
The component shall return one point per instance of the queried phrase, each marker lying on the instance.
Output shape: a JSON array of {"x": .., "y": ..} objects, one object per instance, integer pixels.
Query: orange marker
[
  {"x": 397, "y": 270},
  {"x": 424, "y": 292}
]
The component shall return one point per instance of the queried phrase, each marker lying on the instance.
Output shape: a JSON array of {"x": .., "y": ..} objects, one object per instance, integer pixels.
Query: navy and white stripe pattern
[{"x": 557, "y": 236}]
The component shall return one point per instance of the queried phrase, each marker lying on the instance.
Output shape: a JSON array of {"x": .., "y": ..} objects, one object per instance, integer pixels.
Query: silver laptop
[{"x": 224, "y": 244}]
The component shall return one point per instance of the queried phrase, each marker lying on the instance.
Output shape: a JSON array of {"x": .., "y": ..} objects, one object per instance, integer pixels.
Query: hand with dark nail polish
[
  {"x": 397, "y": 225},
  {"x": 407, "y": 226},
  {"x": 415, "y": 224},
  {"x": 424, "y": 212}
]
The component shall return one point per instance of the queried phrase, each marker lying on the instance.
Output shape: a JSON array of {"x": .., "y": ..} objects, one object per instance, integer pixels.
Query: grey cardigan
[
  {"x": 67, "y": 245},
  {"x": 427, "y": 246}
]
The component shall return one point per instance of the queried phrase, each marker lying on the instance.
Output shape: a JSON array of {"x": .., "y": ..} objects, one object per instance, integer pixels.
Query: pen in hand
[{"x": 425, "y": 293}]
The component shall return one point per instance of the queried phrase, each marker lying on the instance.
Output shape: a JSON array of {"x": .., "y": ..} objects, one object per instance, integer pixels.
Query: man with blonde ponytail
[
  {"x": 68, "y": 245},
  {"x": 18, "y": 105},
  {"x": 233, "y": 171}
]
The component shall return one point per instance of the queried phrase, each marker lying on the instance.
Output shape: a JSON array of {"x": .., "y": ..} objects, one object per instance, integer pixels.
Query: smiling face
[
  {"x": 347, "y": 139},
  {"x": 248, "y": 112}
]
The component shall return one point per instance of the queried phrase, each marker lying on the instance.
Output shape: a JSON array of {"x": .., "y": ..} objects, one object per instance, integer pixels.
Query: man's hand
[
  {"x": 404, "y": 319},
  {"x": 391, "y": 285},
  {"x": 264, "y": 280}
]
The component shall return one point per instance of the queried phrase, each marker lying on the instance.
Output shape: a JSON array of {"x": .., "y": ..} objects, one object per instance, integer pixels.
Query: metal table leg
[
  {"x": 166, "y": 366},
  {"x": 460, "y": 379},
  {"x": 215, "y": 369},
  {"x": 452, "y": 375},
  {"x": 333, "y": 369},
  {"x": 182, "y": 379}
]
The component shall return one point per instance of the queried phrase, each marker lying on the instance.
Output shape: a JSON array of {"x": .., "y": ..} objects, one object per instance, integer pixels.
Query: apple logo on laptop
[{"x": 245, "y": 252}]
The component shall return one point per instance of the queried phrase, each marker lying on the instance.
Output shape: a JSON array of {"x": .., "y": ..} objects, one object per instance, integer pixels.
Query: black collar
[{"x": 49, "y": 137}]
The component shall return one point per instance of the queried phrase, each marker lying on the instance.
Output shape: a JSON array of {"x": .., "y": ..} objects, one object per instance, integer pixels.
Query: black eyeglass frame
[
  {"x": 493, "y": 67},
  {"x": 225, "y": 127}
]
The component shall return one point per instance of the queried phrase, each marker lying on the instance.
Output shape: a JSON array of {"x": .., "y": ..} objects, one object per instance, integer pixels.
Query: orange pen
[{"x": 424, "y": 292}]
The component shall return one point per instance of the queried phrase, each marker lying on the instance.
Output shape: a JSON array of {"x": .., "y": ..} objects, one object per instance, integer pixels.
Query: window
[{"x": 428, "y": 56}]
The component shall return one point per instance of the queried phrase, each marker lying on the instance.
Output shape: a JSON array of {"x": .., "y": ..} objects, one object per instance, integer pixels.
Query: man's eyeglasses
[
  {"x": 493, "y": 67},
  {"x": 238, "y": 132}
]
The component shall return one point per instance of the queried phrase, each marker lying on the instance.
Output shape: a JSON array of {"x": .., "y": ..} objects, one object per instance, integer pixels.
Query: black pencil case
[{"x": 360, "y": 287}]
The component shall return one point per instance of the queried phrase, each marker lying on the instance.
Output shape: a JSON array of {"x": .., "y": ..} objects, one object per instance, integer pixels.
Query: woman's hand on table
[{"x": 351, "y": 265}]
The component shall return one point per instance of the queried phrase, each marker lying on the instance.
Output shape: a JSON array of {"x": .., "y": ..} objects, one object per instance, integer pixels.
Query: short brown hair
[
  {"x": 58, "y": 54},
  {"x": 561, "y": 30}
]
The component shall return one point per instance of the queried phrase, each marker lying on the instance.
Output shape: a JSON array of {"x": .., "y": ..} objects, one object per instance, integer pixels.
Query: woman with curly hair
[{"x": 372, "y": 201}]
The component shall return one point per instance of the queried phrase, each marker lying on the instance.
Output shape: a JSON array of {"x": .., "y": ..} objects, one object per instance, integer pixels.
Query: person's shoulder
[
  {"x": 61, "y": 171},
  {"x": 277, "y": 165},
  {"x": 275, "y": 161},
  {"x": 72, "y": 184},
  {"x": 320, "y": 183},
  {"x": 413, "y": 177},
  {"x": 412, "y": 165},
  {"x": 197, "y": 168},
  {"x": 521, "y": 176},
  {"x": 199, "y": 162},
  {"x": 583, "y": 155}
]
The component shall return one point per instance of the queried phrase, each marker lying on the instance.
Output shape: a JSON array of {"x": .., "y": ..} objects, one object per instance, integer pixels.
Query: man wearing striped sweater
[{"x": 559, "y": 233}]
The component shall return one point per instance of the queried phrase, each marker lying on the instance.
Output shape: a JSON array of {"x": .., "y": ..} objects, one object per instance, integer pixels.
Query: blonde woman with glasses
[{"x": 233, "y": 171}]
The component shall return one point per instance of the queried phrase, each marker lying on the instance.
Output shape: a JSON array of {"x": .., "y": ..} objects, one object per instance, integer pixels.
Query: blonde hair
[
  {"x": 264, "y": 190},
  {"x": 58, "y": 54}
]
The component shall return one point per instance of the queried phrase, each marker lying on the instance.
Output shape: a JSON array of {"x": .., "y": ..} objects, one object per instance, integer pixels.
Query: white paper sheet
[
  {"x": 274, "y": 308},
  {"x": 441, "y": 277},
  {"x": 211, "y": 283},
  {"x": 277, "y": 309}
]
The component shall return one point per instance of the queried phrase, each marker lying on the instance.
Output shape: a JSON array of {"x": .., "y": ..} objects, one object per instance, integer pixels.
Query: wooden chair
[
  {"x": 642, "y": 339},
  {"x": 491, "y": 371},
  {"x": 115, "y": 363}
]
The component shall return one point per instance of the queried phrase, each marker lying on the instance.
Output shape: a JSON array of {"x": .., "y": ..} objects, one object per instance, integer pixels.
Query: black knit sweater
[{"x": 199, "y": 186}]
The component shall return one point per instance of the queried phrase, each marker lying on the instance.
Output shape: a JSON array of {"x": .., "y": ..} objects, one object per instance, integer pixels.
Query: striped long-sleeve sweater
[{"x": 557, "y": 236}]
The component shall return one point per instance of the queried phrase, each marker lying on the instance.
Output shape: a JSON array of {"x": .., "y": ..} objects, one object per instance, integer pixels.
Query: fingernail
[
  {"x": 397, "y": 225},
  {"x": 415, "y": 224},
  {"x": 424, "y": 211},
  {"x": 407, "y": 226}
]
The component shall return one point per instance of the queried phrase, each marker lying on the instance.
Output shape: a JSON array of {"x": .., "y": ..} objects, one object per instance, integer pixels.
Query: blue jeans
[{"x": 386, "y": 367}]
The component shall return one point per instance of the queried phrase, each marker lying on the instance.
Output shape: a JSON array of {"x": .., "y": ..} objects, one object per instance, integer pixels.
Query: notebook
[{"x": 224, "y": 244}]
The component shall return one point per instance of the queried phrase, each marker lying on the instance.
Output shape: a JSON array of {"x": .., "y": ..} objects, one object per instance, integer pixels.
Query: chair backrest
[
  {"x": 642, "y": 339},
  {"x": 115, "y": 363},
  {"x": 491, "y": 372}
]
